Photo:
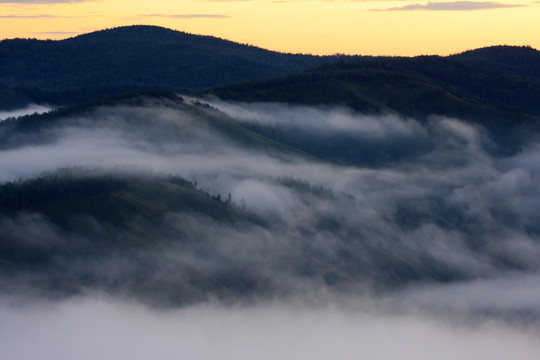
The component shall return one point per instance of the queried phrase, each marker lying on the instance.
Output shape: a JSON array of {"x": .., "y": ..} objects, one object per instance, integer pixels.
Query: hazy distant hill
[
  {"x": 493, "y": 83},
  {"x": 500, "y": 82},
  {"x": 114, "y": 61},
  {"x": 88, "y": 202},
  {"x": 522, "y": 61}
]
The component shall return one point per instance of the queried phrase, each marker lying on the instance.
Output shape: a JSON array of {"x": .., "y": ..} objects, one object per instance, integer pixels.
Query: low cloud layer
[
  {"x": 331, "y": 120},
  {"x": 41, "y": 1},
  {"x": 452, "y": 6},
  {"x": 276, "y": 331},
  {"x": 33, "y": 16},
  {"x": 187, "y": 16}
]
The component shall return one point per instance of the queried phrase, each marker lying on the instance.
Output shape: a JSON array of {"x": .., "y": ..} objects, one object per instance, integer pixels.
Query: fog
[
  {"x": 28, "y": 110},
  {"x": 324, "y": 119},
  {"x": 435, "y": 254},
  {"x": 508, "y": 293}
]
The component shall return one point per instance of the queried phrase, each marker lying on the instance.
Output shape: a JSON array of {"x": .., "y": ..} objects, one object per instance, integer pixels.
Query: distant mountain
[
  {"x": 521, "y": 61},
  {"x": 501, "y": 82},
  {"x": 119, "y": 60},
  {"x": 488, "y": 92},
  {"x": 471, "y": 84}
]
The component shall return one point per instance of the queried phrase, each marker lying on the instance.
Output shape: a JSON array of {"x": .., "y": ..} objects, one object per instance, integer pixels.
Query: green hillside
[
  {"x": 71, "y": 193},
  {"x": 415, "y": 87}
]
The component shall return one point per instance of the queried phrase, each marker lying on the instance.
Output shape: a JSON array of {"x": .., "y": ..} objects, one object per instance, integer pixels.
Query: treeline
[
  {"x": 108, "y": 193},
  {"x": 66, "y": 184},
  {"x": 521, "y": 61}
]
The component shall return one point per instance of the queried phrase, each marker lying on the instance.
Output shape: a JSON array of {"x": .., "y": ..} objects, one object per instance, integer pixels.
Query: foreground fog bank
[{"x": 89, "y": 329}]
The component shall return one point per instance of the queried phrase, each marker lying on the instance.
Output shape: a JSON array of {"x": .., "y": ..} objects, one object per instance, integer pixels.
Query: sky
[{"x": 366, "y": 27}]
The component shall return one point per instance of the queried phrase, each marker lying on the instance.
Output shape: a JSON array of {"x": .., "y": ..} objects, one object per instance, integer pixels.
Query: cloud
[
  {"x": 57, "y": 33},
  {"x": 228, "y": 0},
  {"x": 36, "y": 16},
  {"x": 515, "y": 294},
  {"x": 187, "y": 16},
  {"x": 452, "y": 6},
  {"x": 330, "y": 120},
  {"x": 41, "y": 1}
]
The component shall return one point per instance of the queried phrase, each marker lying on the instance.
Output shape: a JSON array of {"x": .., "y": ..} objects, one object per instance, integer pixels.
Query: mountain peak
[
  {"x": 142, "y": 33},
  {"x": 515, "y": 60},
  {"x": 119, "y": 60}
]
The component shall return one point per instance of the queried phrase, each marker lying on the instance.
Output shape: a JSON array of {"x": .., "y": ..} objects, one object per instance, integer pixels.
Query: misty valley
[
  {"x": 173, "y": 201},
  {"x": 325, "y": 214}
]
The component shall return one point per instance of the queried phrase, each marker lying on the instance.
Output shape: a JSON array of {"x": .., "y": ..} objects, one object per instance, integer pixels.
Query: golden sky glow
[{"x": 368, "y": 27}]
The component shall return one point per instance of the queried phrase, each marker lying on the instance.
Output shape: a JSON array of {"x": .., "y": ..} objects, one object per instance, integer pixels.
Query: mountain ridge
[
  {"x": 109, "y": 62},
  {"x": 114, "y": 61},
  {"x": 516, "y": 60},
  {"x": 417, "y": 87}
]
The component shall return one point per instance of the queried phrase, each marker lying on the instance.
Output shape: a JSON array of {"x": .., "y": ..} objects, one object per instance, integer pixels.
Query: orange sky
[{"x": 368, "y": 27}]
